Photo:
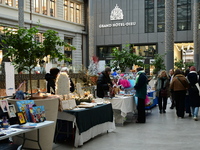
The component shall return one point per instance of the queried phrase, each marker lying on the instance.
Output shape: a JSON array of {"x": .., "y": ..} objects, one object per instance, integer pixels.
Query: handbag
[
  {"x": 147, "y": 101},
  {"x": 163, "y": 92},
  {"x": 197, "y": 85}
]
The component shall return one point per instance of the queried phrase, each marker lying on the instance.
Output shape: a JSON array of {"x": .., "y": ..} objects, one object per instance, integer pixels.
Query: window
[
  {"x": 16, "y": 3},
  {"x": 9, "y": 2},
  {"x": 52, "y": 8},
  {"x": 39, "y": 37},
  {"x": 183, "y": 15},
  {"x": 71, "y": 12},
  {"x": 144, "y": 50},
  {"x": 66, "y": 9},
  {"x": 67, "y": 50},
  {"x": 36, "y": 6},
  {"x": 149, "y": 16},
  {"x": 78, "y": 13},
  {"x": 104, "y": 53},
  {"x": 161, "y": 16},
  {"x": 44, "y": 7}
]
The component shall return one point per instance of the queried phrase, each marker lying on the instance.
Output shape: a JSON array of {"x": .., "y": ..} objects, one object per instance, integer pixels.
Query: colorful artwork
[
  {"x": 38, "y": 113},
  {"x": 21, "y": 117},
  {"x": 24, "y": 106},
  {"x": 4, "y": 105}
]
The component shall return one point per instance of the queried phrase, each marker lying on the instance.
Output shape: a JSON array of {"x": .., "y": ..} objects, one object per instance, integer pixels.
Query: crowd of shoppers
[{"x": 183, "y": 90}]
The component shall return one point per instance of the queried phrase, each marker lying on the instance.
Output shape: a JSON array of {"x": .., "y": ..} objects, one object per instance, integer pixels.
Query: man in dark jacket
[
  {"x": 51, "y": 78},
  {"x": 104, "y": 83},
  {"x": 141, "y": 92}
]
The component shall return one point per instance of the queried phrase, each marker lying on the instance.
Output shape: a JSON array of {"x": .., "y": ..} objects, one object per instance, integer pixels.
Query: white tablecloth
[{"x": 125, "y": 104}]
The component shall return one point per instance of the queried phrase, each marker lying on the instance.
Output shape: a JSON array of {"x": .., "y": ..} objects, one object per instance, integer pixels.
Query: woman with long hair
[{"x": 162, "y": 90}]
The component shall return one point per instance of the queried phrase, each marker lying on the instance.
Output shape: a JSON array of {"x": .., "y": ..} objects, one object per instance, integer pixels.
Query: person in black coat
[
  {"x": 104, "y": 83},
  {"x": 51, "y": 78},
  {"x": 194, "y": 97}
]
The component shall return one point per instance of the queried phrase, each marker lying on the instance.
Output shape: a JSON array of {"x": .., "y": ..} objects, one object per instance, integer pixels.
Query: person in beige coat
[{"x": 179, "y": 86}]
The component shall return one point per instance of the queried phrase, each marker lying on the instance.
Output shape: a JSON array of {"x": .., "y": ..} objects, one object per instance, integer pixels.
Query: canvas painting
[
  {"x": 39, "y": 113},
  {"x": 24, "y": 106}
]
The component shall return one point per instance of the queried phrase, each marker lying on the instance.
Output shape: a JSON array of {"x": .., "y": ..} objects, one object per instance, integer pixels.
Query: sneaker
[
  {"x": 195, "y": 118},
  {"x": 171, "y": 107},
  {"x": 164, "y": 111},
  {"x": 160, "y": 111}
]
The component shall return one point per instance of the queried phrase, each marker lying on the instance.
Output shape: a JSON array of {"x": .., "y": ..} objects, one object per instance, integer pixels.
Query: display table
[
  {"x": 122, "y": 105},
  {"x": 89, "y": 122},
  {"x": 47, "y": 134},
  {"x": 10, "y": 132}
]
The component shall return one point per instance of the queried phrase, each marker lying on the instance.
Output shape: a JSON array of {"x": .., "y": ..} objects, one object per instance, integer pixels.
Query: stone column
[
  {"x": 195, "y": 34},
  {"x": 91, "y": 29},
  {"x": 21, "y": 13},
  {"x": 169, "y": 34}
]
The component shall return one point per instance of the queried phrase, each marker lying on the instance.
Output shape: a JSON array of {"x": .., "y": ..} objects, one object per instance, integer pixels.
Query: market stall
[
  {"x": 122, "y": 105},
  {"x": 89, "y": 122}
]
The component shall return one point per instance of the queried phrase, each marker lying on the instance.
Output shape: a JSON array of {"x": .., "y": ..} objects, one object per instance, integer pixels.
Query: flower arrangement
[{"x": 93, "y": 67}]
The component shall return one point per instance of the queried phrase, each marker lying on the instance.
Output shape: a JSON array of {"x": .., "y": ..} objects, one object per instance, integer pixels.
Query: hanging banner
[{"x": 10, "y": 78}]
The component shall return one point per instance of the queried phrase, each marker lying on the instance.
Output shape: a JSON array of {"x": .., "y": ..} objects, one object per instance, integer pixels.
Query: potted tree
[
  {"x": 125, "y": 58},
  {"x": 25, "y": 52},
  {"x": 158, "y": 63}
]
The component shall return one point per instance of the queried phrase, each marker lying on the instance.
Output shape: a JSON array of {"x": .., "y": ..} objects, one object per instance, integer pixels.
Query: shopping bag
[{"x": 147, "y": 101}]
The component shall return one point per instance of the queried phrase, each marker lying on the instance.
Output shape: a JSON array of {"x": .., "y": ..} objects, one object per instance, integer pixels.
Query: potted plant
[
  {"x": 93, "y": 69},
  {"x": 25, "y": 52},
  {"x": 158, "y": 63}
]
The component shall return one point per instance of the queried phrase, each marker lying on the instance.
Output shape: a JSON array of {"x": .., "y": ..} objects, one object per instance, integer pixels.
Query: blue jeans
[{"x": 195, "y": 111}]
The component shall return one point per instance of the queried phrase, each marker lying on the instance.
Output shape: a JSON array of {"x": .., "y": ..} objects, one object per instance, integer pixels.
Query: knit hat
[{"x": 192, "y": 68}]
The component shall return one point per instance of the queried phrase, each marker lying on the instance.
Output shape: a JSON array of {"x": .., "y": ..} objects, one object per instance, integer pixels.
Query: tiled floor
[{"x": 161, "y": 132}]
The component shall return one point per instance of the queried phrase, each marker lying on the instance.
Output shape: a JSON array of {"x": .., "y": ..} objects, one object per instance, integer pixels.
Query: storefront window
[
  {"x": 183, "y": 15},
  {"x": 145, "y": 50},
  {"x": 149, "y": 16},
  {"x": 105, "y": 53}
]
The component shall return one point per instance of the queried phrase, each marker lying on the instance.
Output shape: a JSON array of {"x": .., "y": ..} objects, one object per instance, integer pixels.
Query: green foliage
[
  {"x": 187, "y": 64},
  {"x": 158, "y": 63},
  {"x": 25, "y": 52},
  {"x": 125, "y": 58},
  {"x": 181, "y": 65}
]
